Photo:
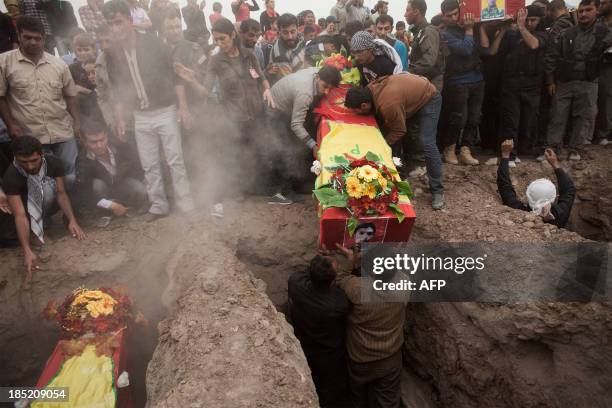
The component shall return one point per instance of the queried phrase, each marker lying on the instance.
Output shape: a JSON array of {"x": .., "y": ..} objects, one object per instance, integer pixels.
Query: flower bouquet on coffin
[
  {"x": 348, "y": 70},
  {"x": 364, "y": 186},
  {"x": 92, "y": 317}
]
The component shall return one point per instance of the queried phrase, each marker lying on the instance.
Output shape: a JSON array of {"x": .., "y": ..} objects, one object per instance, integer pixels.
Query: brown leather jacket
[{"x": 397, "y": 98}]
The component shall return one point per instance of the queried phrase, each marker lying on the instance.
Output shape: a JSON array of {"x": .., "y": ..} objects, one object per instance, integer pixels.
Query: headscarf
[
  {"x": 362, "y": 41},
  {"x": 541, "y": 194}
]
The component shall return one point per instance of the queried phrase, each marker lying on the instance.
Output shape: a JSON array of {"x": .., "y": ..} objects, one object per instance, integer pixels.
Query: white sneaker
[
  {"x": 541, "y": 158},
  {"x": 604, "y": 142},
  {"x": 517, "y": 160},
  {"x": 217, "y": 210},
  {"x": 574, "y": 156},
  {"x": 512, "y": 164},
  {"x": 491, "y": 162},
  {"x": 279, "y": 199}
]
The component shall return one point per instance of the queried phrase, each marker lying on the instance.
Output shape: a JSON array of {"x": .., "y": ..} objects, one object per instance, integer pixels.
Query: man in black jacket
[
  {"x": 318, "y": 309},
  {"x": 572, "y": 70},
  {"x": 522, "y": 53},
  {"x": 540, "y": 193},
  {"x": 108, "y": 176}
]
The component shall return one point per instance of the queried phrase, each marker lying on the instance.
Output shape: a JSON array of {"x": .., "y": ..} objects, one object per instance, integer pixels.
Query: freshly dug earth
[
  {"x": 222, "y": 342},
  {"x": 522, "y": 355}
]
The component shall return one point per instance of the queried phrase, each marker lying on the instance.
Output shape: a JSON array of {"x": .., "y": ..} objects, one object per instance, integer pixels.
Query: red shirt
[
  {"x": 244, "y": 13},
  {"x": 214, "y": 17}
]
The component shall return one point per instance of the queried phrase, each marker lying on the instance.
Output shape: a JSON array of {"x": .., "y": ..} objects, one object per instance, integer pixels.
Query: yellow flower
[
  {"x": 370, "y": 191},
  {"x": 368, "y": 173},
  {"x": 382, "y": 181},
  {"x": 353, "y": 188},
  {"x": 96, "y": 302}
]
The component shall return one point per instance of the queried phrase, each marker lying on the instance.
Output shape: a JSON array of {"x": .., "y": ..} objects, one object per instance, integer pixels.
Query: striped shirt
[{"x": 375, "y": 330}]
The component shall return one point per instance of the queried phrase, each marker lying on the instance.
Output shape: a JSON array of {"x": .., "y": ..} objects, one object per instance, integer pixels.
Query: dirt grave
[{"x": 210, "y": 286}]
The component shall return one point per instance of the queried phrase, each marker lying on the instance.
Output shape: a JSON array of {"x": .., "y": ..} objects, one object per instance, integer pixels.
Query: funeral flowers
[
  {"x": 365, "y": 187},
  {"x": 99, "y": 311},
  {"x": 348, "y": 71}
]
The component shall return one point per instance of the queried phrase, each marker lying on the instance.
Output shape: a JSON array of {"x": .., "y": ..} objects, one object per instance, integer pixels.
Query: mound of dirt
[
  {"x": 521, "y": 355},
  {"x": 224, "y": 343},
  {"x": 221, "y": 342}
]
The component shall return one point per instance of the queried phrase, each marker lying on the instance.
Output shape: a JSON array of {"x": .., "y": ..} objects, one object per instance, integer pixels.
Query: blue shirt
[
  {"x": 463, "y": 47},
  {"x": 401, "y": 49}
]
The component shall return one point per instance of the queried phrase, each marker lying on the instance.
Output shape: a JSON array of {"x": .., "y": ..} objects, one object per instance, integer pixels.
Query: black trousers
[
  {"x": 376, "y": 384},
  {"x": 461, "y": 112},
  {"x": 290, "y": 159},
  {"x": 520, "y": 101},
  {"x": 330, "y": 376}
]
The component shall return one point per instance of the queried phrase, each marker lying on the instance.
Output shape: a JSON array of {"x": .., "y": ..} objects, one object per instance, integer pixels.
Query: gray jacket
[
  {"x": 293, "y": 96},
  {"x": 427, "y": 56}
]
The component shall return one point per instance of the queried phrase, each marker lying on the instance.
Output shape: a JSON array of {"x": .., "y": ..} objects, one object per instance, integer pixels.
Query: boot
[
  {"x": 465, "y": 157},
  {"x": 449, "y": 155}
]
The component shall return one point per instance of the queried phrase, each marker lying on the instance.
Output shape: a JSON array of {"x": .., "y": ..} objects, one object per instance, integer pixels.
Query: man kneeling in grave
[
  {"x": 109, "y": 176},
  {"x": 34, "y": 186}
]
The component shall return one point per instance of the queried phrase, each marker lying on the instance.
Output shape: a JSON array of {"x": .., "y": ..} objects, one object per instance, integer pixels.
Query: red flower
[
  {"x": 357, "y": 212},
  {"x": 366, "y": 203},
  {"x": 381, "y": 207},
  {"x": 358, "y": 163},
  {"x": 394, "y": 195}
]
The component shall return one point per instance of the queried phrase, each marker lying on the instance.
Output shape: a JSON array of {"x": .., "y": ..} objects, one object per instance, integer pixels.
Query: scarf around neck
[{"x": 35, "y": 197}]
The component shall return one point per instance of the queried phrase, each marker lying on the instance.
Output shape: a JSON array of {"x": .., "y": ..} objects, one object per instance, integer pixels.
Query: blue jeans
[
  {"x": 67, "y": 152},
  {"x": 425, "y": 122}
]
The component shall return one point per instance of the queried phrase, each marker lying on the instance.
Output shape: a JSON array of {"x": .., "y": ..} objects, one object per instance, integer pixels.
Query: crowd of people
[{"x": 99, "y": 120}]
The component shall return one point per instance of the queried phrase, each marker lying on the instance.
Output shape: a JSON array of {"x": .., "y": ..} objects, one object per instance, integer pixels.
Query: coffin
[
  {"x": 340, "y": 132},
  {"x": 489, "y": 10},
  {"x": 99, "y": 388}
]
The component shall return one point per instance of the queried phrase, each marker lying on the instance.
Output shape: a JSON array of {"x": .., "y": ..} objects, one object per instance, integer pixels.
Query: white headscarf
[{"x": 541, "y": 194}]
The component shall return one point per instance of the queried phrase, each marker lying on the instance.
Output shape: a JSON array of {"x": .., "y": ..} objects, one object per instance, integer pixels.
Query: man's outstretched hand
[
  {"x": 76, "y": 231},
  {"x": 30, "y": 259},
  {"x": 506, "y": 148},
  {"x": 551, "y": 158}
]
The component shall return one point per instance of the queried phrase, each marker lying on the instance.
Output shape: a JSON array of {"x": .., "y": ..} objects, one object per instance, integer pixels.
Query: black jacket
[
  {"x": 61, "y": 17},
  {"x": 156, "y": 72},
  {"x": 318, "y": 316},
  {"x": 560, "y": 210},
  {"x": 88, "y": 169},
  {"x": 578, "y": 53}
]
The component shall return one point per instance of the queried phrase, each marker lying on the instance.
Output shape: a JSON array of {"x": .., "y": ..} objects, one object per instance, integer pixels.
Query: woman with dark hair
[
  {"x": 268, "y": 16},
  {"x": 239, "y": 81}
]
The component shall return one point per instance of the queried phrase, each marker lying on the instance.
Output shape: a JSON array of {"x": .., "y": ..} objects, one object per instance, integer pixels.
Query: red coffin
[
  {"x": 334, "y": 227},
  {"x": 333, "y": 223}
]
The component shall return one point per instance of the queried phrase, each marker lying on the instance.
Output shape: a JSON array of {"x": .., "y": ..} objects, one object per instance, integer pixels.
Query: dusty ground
[{"x": 221, "y": 339}]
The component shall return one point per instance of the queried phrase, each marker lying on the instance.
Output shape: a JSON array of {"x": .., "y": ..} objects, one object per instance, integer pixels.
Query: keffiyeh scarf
[{"x": 35, "y": 197}]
